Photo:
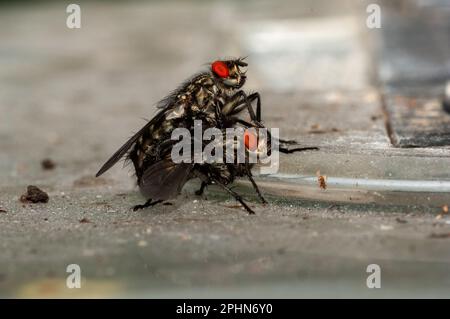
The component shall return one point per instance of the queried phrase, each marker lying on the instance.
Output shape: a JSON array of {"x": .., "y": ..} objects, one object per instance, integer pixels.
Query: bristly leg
[
  {"x": 255, "y": 186},
  {"x": 148, "y": 203},
  {"x": 257, "y": 97},
  {"x": 235, "y": 195},
  {"x": 288, "y": 142},
  {"x": 241, "y": 101},
  {"x": 202, "y": 189},
  {"x": 300, "y": 149}
]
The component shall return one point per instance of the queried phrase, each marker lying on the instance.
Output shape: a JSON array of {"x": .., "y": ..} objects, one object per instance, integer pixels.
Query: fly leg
[
  {"x": 202, "y": 189},
  {"x": 257, "y": 97},
  {"x": 247, "y": 103},
  {"x": 240, "y": 101},
  {"x": 232, "y": 104},
  {"x": 238, "y": 120},
  {"x": 294, "y": 150},
  {"x": 235, "y": 195},
  {"x": 255, "y": 186},
  {"x": 288, "y": 142},
  {"x": 148, "y": 203},
  {"x": 219, "y": 115},
  {"x": 205, "y": 181},
  {"x": 238, "y": 197}
]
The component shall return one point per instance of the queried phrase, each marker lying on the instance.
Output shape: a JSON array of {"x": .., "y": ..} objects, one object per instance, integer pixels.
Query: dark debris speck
[
  {"x": 48, "y": 164},
  {"x": 34, "y": 195}
]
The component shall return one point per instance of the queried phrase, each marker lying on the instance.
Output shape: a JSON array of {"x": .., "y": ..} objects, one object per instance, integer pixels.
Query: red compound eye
[
  {"x": 220, "y": 68},
  {"x": 250, "y": 141}
]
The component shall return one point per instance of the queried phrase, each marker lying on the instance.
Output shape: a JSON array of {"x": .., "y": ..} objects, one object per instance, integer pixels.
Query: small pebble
[{"x": 34, "y": 195}]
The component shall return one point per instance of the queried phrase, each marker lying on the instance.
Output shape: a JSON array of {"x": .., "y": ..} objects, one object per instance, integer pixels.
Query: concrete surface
[{"x": 75, "y": 95}]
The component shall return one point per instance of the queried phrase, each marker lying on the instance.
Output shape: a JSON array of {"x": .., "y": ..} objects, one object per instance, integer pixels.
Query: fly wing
[
  {"x": 125, "y": 147},
  {"x": 164, "y": 179},
  {"x": 167, "y": 108}
]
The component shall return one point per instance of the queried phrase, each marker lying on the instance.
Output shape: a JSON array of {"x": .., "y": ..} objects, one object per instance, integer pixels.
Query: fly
[{"x": 214, "y": 97}]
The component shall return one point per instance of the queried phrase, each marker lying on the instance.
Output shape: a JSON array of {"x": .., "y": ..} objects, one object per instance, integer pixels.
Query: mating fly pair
[{"x": 216, "y": 99}]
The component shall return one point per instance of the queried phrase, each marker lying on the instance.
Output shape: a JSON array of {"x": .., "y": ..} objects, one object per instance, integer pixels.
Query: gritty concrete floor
[{"x": 75, "y": 95}]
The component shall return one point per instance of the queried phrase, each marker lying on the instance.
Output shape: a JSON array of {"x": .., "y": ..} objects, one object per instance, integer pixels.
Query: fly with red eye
[{"x": 214, "y": 97}]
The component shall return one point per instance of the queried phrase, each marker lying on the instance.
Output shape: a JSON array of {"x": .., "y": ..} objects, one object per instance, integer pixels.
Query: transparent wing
[{"x": 125, "y": 147}]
